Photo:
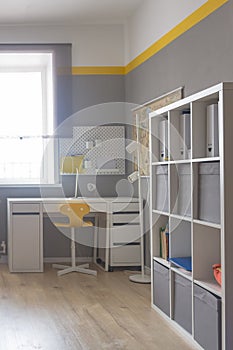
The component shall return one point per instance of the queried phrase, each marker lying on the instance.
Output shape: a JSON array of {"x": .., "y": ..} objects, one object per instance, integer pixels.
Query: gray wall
[
  {"x": 97, "y": 100},
  {"x": 90, "y": 90},
  {"x": 201, "y": 57}
]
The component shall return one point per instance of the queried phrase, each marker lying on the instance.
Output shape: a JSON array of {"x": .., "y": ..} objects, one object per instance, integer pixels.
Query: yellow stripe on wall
[
  {"x": 202, "y": 12},
  {"x": 100, "y": 70},
  {"x": 198, "y": 15}
]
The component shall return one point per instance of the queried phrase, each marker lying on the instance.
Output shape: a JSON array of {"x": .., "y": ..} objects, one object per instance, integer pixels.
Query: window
[{"x": 26, "y": 116}]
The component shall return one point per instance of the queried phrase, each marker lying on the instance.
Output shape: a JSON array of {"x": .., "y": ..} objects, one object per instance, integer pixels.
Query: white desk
[{"x": 25, "y": 230}]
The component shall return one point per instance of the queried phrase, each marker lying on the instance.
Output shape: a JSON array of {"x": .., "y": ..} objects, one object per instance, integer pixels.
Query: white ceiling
[{"x": 66, "y": 11}]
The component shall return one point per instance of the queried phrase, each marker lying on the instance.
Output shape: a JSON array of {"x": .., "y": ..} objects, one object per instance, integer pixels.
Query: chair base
[{"x": 80, "y": 268}]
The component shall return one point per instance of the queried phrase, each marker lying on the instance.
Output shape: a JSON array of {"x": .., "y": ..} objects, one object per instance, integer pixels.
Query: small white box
[
  {"x": 87, "y": 164},
  {"x": 212, "y": 147},
  {"x": 184, "y": 134},
  {"x": 163, "y": 139},
  {"x": 89, "y": 144},
  {"x": 185, "y": 193}
]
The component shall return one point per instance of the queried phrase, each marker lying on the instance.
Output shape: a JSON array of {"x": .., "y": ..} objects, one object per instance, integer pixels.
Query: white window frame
[{"x": 37, "y": 62}]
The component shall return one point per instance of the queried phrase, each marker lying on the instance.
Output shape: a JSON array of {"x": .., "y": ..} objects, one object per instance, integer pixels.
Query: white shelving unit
[{"x": 194, "y": 196}]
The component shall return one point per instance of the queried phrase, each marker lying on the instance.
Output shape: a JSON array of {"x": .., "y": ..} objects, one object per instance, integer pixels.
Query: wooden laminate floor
[{"x": 77, "y": 311}]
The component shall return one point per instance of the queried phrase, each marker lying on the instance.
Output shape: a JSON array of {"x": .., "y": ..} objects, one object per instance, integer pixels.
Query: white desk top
[
  {"x": 86, "y": 199},
  {"x": 97, "y": 204}
]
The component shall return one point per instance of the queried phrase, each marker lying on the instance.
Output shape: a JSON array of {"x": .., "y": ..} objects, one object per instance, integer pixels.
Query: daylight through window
[{"x": 26, "y": 112}]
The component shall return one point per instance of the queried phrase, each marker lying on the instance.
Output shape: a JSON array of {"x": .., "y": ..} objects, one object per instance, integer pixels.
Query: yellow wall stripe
[
  {"x": 202, "y": 12},
  {"x": 100, "y": 70},
  {"x": 198, "y": 15}
]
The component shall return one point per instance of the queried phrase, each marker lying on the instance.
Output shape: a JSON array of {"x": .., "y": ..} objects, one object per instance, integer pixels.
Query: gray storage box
[
  {"x": 209, "y": 192},
  {"x": 184, "y": 195},
  {"x": 161, "y": 295},
  {"x": 183, "y": 302},
  {"x": 162, "y": 188},
  {"x": 207, "y": 319}
]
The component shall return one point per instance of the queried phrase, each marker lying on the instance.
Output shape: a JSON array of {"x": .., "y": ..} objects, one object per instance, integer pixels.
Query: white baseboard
[
  {"x": 4, "y": 260},
  {"x": 55, "y": 260}
]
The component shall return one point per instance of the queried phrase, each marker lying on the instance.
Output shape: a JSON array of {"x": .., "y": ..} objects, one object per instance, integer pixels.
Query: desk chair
[{"x": 75, "y": 212}]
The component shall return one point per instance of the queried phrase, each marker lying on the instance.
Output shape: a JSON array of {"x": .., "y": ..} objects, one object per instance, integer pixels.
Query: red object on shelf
[{"x": 217, "y": 273}]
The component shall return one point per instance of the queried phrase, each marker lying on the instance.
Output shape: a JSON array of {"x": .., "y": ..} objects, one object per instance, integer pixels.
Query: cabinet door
[
  {"x": 26, "y": 251},
  {"x": 125, "y": 234},
  {"x": 125, "y": 255}
]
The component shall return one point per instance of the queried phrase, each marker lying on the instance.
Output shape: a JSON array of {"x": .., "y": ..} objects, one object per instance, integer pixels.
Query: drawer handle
[
  {"x": 125, "y": 212},
  {"x": 125, "y": 223},
  {"x": 27, "y": 213}
]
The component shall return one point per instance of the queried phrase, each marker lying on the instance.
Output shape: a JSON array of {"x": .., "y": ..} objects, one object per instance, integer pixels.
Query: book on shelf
[
  {"x": 184, "y": 262},
  {"x": 164, "y": 242}
]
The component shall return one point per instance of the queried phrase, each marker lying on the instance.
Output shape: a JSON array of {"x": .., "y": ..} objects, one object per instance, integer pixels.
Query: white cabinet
[
  {"x": 124, "y": 240},
  {"x": 125, "y": 236},
  {"x": 25, "y": 238},
  {"x": 192, "y": 196}
]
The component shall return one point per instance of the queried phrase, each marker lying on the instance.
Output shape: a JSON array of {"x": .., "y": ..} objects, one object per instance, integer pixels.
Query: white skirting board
[{"x": 67, "y": 259}]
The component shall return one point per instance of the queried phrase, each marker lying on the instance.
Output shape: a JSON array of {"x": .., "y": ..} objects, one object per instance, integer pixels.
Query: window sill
[{"x": 31, "y": 185}]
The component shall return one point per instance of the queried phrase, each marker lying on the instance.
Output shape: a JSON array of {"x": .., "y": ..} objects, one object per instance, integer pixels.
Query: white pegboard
[{"x": 107, "y": 156}]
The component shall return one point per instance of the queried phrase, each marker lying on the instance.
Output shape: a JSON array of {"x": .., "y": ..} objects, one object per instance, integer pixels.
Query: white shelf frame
[{"x": 223, "y": 93}]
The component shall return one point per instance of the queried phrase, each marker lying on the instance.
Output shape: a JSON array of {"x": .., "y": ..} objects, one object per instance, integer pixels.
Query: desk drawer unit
[
  {"x": 125, "y": 235},
  {"x": 125, "y": 207},
  {"x": 127, "y": 218},
  {"x": 25, "y": 238}
]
